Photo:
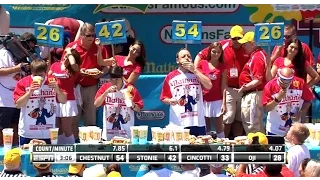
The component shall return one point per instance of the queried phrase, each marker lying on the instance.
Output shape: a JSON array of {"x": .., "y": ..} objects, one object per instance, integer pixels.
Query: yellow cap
[
  {"x": 263, "y": 140},
  {"x": 114, "y": 174},
  {"x": 75, "y": 168},
  {"x": 236, "y": 31},
  {"x": 12, "y": 158},
  {"x": 248, "y": 37}
]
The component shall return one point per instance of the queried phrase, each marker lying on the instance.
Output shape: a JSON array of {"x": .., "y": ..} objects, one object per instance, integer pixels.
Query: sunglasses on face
[
  {"x": 236, "y": 39},
  {"x": 288, "y": 36},
  {"x": 90, "y": 35}
]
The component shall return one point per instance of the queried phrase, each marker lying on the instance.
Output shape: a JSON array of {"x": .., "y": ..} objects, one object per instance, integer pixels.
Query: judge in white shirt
[
  {"x": 215, "y": 171},
  {"x": 182, "y": 90},
  {"x": 158, "y": 170}
]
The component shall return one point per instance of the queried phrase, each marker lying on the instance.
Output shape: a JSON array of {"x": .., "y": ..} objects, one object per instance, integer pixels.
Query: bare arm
[
  {"x": 61, "y": 96},
  {"x": 133, "y": 78},
  {"x": 271, "y": 72},
  {"x": 204, "y": 80},
  {"x": 312, "y": 77},
  {"x": 98, "y": 102},
  {"x": 224, "y": 86},
  {"x": 9, "y": 70},
  {"x": 196, "y": 61},
  {"x": 22, "y": 101}
]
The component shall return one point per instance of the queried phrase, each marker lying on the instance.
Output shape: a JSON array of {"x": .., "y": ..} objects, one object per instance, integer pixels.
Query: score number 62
[{"x": 275, "y": 32}]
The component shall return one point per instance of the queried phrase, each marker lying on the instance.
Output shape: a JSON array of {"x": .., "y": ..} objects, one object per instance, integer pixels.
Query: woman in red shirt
[
  {"x": 293, "y": 58},
  {"x": 215, "y": 100},
  {"x": 132, "y": 64},
  {"x": 66, "y": 73}
]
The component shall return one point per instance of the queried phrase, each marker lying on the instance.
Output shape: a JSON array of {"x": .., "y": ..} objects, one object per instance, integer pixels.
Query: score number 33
[
  {"x": 53, "y": 33},
  {"x": 181, "y": 30},
  {"x": 104, "y": 32},
  {"x": 275, "y": 32}
]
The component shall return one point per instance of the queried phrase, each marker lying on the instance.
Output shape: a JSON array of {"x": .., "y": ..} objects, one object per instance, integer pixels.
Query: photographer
[
  {"x": 29, "y": 42},
  {"x": 10, "y": 74},
  {"x": 286, "y": 98}
]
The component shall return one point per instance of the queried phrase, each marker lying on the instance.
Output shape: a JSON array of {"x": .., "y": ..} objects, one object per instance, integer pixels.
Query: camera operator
[
  {"x": 29, "y": 42},
  {"x": 10, "y": 74}
]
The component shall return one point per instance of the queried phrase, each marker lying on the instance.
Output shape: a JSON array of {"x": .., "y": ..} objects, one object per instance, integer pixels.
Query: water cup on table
[
  {"x": 167, "y": 136},
  {"x": 91, "y": 130},
  {"x": 159, "y": 136},
  {"x": 7, "y": 138},
  {"x": 84, "y": 135},
  {"x": 96, "y": 135},
  {"x": 153, "y": 133},
  {"x": 143, "y": 135},
  {"x": 54, "y": 135},
  {"x": 186, "y": 135},
  {"x": 317, "y": 134},
  {"x": 134, "y": 134},
  {"x": 178, "y": 135},
  {"x": 37, "y": 80}
]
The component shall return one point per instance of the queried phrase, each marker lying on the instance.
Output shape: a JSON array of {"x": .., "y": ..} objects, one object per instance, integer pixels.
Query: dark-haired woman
[
  {"x": 119, "y": 100},
  {"x": 293, "y": 58},
  {"x": 132, "y": 64},
  {"x": 66, "y": 73},
  {"x": 215, "y": 98}
]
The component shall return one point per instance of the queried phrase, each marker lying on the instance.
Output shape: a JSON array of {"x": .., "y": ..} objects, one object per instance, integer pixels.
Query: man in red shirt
[
  {"x": 88, "y": 51},
  {"x": 234, "y": 58},
  {"x": 252, "y": 80}
]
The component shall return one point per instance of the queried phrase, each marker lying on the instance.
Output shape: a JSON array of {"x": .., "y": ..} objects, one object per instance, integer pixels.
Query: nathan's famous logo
[
  {"x": 270, "y": 12},
  {"x": 166, "y": 8},
  {"x": 150, "y": 115},
  {"x": 40, "y": 7},
  {"x": 210, "y": 33}
]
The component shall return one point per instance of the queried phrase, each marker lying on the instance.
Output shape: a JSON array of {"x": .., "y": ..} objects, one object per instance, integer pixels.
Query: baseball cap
[
  {"x": 12, "y": 158},
  {"x": 75, "y": 168},
  {"x": 263, "y": 140},
  {"x": 114, "y": 174},
  {"x": 248, "y": 37},
  {"x": 236, "y": 31}
]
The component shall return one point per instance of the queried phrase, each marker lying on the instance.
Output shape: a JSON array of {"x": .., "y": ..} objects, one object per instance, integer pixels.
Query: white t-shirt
[
  {"x": 7, "y": 82},
  {"x": 117, "y": 117},
  {"x": 192, "y": 173},
  {"x": 215, "y": 175},
  {"x": 296, "y": 154},
  {"x": 186, "y": 88},
  {"x": 164, "y": 172},
  {"x": 279, "y": 119},
  {"x": 39, "y": 114}
]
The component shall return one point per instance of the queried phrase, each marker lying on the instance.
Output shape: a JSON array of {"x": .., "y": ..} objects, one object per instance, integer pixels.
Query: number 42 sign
[
  {"x": 49, "y": 35},
  {"x": 112, "y": 32},
  {"x": 269, "y": 34}
]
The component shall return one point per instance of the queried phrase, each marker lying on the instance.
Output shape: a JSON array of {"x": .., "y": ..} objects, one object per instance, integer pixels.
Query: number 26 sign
[
  {"x": 187, "y": 32},
  {"x": 112, "y": 32},
  {"x": 49, "y": 35},
  {"x": 269, "y": 34}
]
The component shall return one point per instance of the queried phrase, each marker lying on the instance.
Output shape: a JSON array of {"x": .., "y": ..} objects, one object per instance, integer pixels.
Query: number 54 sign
[
  {"x": 187, "y": 32},
  {"x": 269, "y": 34},
  {"x": 113, "y": 32},
  {"x": 49, "y": 35}
]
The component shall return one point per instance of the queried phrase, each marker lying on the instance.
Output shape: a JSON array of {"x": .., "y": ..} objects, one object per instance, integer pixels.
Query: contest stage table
[{"x": 128, "y": 170}]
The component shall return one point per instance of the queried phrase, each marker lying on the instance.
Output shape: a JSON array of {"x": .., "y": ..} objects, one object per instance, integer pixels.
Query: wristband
[{"x": 277, "y": 100}]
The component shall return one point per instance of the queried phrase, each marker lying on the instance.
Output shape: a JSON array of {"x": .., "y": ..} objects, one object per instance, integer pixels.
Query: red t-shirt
[
  {"x": 89, "y": 61},
  {"x": 285, "y": 172},
  {"x": 279, "y": 62},
  {"x": 254, "y": 69},
  {"x": 306, "y": 53},
  {"x": 127, "y": 69},
  {"x": 215, "y": 76},
  {"x": 233, "y": 58},
  {"x": 65, "y": 82},
  {"x": 133, "y": 91}
]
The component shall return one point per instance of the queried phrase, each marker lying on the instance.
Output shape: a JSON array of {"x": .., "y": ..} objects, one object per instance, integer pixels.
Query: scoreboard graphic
[{"x": 157, "y": 154}]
